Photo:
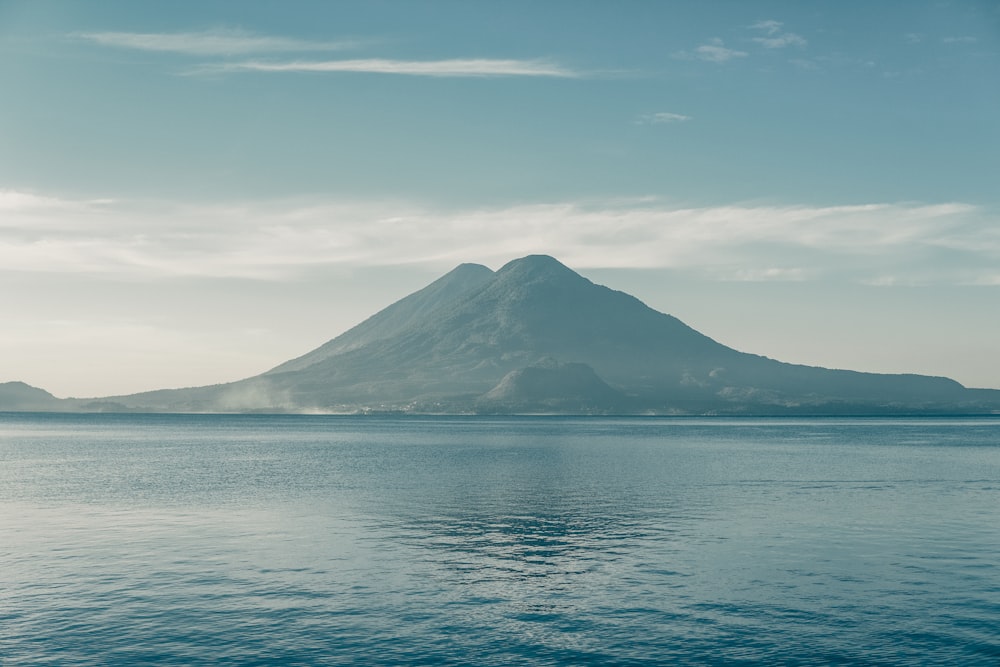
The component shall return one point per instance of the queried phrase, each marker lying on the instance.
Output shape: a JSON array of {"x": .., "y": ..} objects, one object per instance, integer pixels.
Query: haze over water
[{"x": 550, "y": 541}]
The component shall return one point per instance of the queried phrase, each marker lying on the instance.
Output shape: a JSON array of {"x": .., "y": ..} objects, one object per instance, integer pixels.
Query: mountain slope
[
  {"x": 405, "y": 313},
  {"x": 552, "y": 387},
  {"x": 20, "y": 396}
]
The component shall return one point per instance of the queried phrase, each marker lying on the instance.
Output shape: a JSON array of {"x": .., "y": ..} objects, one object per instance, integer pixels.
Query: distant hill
[
  {"x": 561, "y": 388},
  {"x": 536, "y": 337},
  {"x": 15, "y": 396}
]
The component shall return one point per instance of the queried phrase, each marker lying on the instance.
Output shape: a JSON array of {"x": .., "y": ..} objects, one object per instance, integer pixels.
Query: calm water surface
[{"x": 534, "y": 541}]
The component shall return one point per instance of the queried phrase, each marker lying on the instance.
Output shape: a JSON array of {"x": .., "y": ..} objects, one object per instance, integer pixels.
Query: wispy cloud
[
  {"x": 714, "y": 51},
  {"x": 235, "y": 42},
  {"x": 769, "y": 26},
  {"x": 781, "y": 41},
  {"x": 459, "y": 67},
  {"x": 661, "y": 117},
  {"x": 964, "y": 39},
  {"x": 220, "y": 42},
  {"x": 274, "y": 240},
  {"x": 773, "y": 36}
]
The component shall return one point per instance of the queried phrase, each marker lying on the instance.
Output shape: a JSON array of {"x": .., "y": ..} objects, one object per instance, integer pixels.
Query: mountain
[
  {"x": 536, "y": 336},
  {"x": 16, "y": 396}
]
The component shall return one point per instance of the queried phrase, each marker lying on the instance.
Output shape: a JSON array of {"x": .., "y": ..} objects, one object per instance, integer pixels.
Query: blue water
[{"x": 498, "y": 541}]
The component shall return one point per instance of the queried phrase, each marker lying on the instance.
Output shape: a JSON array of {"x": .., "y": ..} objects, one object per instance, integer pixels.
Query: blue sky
[{"x": 192, "y": 192}]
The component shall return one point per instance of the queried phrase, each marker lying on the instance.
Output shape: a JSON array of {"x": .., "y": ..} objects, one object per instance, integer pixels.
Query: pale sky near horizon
[{"x": 193, "y": 192}]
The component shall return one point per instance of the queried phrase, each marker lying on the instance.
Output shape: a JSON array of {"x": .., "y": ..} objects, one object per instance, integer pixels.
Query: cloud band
[{"x": 275, "y": 240}]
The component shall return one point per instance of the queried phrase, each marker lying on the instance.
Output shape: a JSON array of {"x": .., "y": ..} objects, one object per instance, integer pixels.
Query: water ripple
[{"x": 233, "y": 540}]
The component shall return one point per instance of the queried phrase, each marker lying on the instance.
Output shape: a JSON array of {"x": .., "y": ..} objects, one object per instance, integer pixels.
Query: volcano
[{"x": 537, "y": 337}]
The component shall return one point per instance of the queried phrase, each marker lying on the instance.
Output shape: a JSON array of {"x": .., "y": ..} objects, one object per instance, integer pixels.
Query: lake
[{"x": 327, "y": 540}]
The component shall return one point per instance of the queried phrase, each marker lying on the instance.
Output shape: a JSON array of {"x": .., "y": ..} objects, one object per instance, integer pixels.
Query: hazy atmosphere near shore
[{"x": 194, "y": 192}]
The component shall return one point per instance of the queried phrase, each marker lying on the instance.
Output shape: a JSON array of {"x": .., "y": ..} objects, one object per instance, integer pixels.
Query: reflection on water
[{"x": 262, "y": 540}]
